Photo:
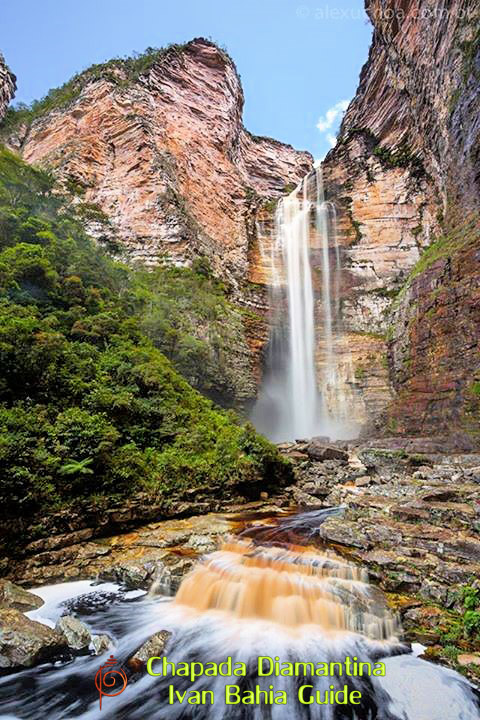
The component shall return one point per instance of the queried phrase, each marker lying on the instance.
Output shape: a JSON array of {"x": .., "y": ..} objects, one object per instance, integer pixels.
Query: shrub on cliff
[{"x": 89, "y": 404}]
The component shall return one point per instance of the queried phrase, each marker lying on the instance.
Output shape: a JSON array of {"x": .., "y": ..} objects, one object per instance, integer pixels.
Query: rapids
[{"x": 259, "y": 595}]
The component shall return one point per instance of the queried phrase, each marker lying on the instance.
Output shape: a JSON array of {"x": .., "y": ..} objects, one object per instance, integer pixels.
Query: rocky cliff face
[
  {"x": 157, "y": 145},
  {"x": 406, "y": 163},
  {"x": 160, "y": 148},
  {"x": 7, "y": 86},
  {"x": 165, "y": 155}
]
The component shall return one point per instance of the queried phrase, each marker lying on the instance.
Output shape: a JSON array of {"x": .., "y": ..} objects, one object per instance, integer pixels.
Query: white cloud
[{"x": 327, "y": 121}]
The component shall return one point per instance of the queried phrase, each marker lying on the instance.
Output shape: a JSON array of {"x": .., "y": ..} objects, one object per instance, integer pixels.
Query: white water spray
[{"x": 293, "y": 401}]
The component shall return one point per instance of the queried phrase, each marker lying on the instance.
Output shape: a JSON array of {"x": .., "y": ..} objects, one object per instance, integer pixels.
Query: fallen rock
[
  {"x": 304, "y": 499},
  {"x": 25, "y": 643},
  {"x": 16, "y": 597},
  {"x": 382, "y": 460},
  {"x": 100, "y": 643},
  {"x": 442, "y": 594},
  {"x": 363, "y": 481},
  {"x": 76, "y": 633},
  {"x": 201, "y": 543},
  {"x": 337, "y": 530},
  {"x": 316, "y": 451},
  {"x": 153, "y": 647},
  {"x": 468, "y": 659},
  {"x": 132, "y": 577}
]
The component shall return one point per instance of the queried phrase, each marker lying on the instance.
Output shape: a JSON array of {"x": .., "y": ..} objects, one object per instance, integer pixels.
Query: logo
[{"x": 107, "y": 678}]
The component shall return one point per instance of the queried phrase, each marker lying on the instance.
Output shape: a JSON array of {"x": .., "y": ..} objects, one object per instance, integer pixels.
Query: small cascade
[
  {"x": 267, "y": 604},
  {"x": 305, "y": 391},
  {"x": 293, "y": 588}
]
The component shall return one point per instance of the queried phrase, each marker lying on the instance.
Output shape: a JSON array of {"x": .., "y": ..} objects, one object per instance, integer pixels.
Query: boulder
[
  {"x": 25, "y": 643},
  {"x": 76, "y": 633},
  {"x": 153, "y": 647},
  {"x": 468, "y": 659},
  {"x": 363, "y": 481},
  {"x": 14, "y": 596},
  {"x": 338, "y": 531},
  {"x": 100, "y": 644},
  {"x": 131, "y": 577},
  {"x": 317, "y": 451},
  {"x": 383, "y": 460},
  {"x": 201, "y": 543}
]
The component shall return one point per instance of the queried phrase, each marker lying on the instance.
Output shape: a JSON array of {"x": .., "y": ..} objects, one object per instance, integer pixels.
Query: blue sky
[{"x": 298, "y": 60}]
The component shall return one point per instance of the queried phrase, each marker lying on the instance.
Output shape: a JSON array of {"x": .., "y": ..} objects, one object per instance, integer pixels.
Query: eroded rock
[
  {"x": 16, "y": 597},
  {"x": 76, "y": 633},
  {"x": 25, "y": 643},
  {"x": 319, "y": 451},
  {"x": 100, "y": 644},
  {"x": 153, "y": 647}
]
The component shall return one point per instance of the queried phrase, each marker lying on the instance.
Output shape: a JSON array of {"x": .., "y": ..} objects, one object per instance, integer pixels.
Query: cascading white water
[
  {"x": 254, "y": 598},
  {"x": 294, "y": 402},
  {"x": 294, "y": 236}
]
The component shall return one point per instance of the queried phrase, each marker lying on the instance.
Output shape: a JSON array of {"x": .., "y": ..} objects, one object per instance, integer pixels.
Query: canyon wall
[
  {"x": 405, "y": 176},
  {"x": 156, "y": 145},
  {"x": 161, "y": 149},
  {"x": 8, "y": 86}
]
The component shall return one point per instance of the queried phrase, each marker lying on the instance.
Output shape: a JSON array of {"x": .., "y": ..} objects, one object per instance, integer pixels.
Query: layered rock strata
[
  {"x": 165, "y": 155},
  {"x": 406, "y": 163}
]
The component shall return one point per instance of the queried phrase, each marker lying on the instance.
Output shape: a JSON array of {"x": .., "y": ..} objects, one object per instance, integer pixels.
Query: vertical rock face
[
  {"x": 164, "y": 154},
  {"x": 8, "y": 86},
  {"x": 406, "y": 162},
  {"x": 435, "y": 342},
  {"x": 166, "y": 157},
  {"x": 157, "y": 144}
]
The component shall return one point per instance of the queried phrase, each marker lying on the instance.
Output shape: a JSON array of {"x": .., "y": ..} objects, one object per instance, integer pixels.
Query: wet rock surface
[
  {"x": 100, "y": 644},
  {"x": 413, "y": 520},
  {"x": 15, "y": 597},
  {"x": 153, "y": 647},
  {"x": 159, "y": 553},
  {"x": 75, "y": 632},
  {"x": 25, "y": 643}
]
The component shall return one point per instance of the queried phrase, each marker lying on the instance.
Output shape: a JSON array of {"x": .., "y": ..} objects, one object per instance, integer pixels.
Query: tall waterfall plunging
[{"x": 304, "y": 393}]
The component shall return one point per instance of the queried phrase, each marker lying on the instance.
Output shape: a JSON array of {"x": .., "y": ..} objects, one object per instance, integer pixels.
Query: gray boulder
[
  {"x": 100, "y": 643},
  {"x": 25, "y": 643},
  {"x": 319, "y": 452},
  {"x": 14, "y": 596},
  {"x": 76, "y": 633}
]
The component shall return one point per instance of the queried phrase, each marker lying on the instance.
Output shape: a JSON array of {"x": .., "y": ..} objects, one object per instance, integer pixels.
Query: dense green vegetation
[
  {"x": 89, "y": 405},
  {"x": 462, "y": 631},
  {"x": 186, "y": 314}
]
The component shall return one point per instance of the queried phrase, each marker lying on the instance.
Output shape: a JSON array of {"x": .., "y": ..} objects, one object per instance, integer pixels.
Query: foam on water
[{"x": 247, "y": 599}]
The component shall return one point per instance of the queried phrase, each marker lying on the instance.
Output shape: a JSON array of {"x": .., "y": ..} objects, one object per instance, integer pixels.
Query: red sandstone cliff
[
  {"x": 166, "y": 157},
  {"x": 405, "y": 170}
]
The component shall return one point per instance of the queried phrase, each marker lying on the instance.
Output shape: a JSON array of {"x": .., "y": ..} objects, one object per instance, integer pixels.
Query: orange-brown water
[{"x": 293, "y": 588}]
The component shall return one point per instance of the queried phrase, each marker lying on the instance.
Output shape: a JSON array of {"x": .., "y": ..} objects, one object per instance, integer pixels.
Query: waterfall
[
  {"x": 296, "y": 400},
  {"x": 294, "y": 237}
]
